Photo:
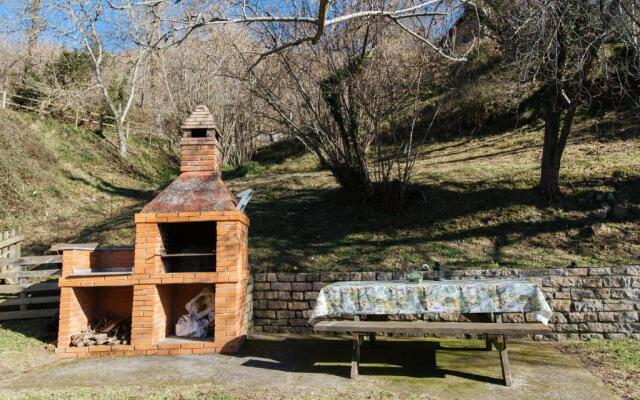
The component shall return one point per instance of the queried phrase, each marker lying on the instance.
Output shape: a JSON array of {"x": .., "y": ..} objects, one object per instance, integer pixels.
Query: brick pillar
[
  {"x": 230, "y": 327},
  {"x": 76, "y": 307},
  {"x": 144, "y": 320},
  {"x": 148, "y": 245}
]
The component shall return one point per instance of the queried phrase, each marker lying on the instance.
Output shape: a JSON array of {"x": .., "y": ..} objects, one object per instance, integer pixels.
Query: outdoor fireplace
[
  {"x": 190, "y": 238},
  {"x": 188, "y": 247}
]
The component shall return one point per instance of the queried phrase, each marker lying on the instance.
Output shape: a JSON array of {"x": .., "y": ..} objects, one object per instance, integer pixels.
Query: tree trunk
[
  {"x": 556, "y": 133},
  {"x": 34, "y": 29},
  {"x": 122, "y": 138},
  {"x": 549, "y": 170},
  {"x": 353, "y": 181}
]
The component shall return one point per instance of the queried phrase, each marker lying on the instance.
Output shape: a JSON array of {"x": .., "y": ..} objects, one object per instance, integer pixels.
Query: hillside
[
  {"x": 474, "y": 209},
  {"x": 473, "y": 204},
  {"x": 59, "y": 183}
]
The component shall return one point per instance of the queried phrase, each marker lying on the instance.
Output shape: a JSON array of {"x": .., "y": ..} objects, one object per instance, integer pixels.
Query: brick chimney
[{"x": 200, "y": 146}]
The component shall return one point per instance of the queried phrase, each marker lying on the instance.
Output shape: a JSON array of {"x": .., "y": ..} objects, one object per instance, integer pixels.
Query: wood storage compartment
[
  {"x": 107, "y": 310},
  {"x": 173, "y": 299},
  {"x": 188, "y": 247}
]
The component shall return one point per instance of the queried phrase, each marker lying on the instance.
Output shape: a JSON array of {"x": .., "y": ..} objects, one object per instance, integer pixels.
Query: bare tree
[
  {"x": 35, "y": 25},
  {"x": 345, "y": 94},
  {"x": 558, "y": 45},
  {"x": 204, "y": 69},
  {"x": 118, "y": 44}
]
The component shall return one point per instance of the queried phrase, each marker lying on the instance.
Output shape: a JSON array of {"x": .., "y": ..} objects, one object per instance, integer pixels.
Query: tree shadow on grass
[
  {"x": 278, "y": 152},
  {"x": 411, "y": 359},
  {"x": 42, "y": 329},
  {"x": 290, "y": 227}
]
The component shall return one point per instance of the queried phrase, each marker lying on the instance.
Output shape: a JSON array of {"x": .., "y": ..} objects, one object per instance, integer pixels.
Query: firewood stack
[{"x": 104, "y": 331}]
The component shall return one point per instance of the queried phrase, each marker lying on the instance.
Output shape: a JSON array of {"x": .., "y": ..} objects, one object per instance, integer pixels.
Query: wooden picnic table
[{"x": 478, "y": 298}]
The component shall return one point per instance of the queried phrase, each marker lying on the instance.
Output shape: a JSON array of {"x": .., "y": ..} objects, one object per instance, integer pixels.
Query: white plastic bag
[
  {"x": 187, "y": 326},
  {"x": 203, "y": 304},
  {"x": 198, "y": 322}
]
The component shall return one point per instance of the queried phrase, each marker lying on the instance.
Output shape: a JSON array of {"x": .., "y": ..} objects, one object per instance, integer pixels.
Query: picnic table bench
[
  {"x": 474, "y": 299},
  {"x": 495, "y": 334}
]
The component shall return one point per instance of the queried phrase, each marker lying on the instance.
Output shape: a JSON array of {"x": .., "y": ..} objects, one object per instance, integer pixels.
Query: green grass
[
  {"x": 20, "y": 336},
  {"x": 616, "y": 362},
  {"x": 62, "y": 184},
  {"x": 474, "y": 207}
]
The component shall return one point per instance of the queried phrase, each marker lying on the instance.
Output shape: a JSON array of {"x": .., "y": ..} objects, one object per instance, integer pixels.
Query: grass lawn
[
  {"x": 473, "y": 204},
  {"x": 615, "y": 362},
  {"x": 473, "y": 207}
]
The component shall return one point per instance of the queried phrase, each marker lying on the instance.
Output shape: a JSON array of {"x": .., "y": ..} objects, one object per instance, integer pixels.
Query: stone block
[
  {"x": 271, "y": 277},
  {"x": 286, "y": 277},
  {"x": 566, "y": 328},
  {"x": 607, "y": 316},
  {"x": 588, "y": 305},
  {"x": 319, "y": 285},
  {"x": 284, "y": 295},
  {"x": 599, "y": 271},
  {"x": 281, "y": 286},
  {"x": 259, "y": 277},
  {"x": 579, "y": 294},
  {"x": 615, "y": 336},
  {"x": 277, "y": 305},
  {"x": 264, "y": 314},
  {"x": 301, "y": 287},
  {"x": 582, "y": 317},
  {"x": 559, "y": 318},
  {"x": 261, "y": 286},
  {"x": 285, "y": 314},
  {"x": 603, "y": 293},
  {"x": 562, "y": 295},
  {"x": 310, "y": 295},
  {"x": 591, "y": 282},
  {"x": 513, "y": 317},
  {"x": 560, "y": 305},
  {"x": 297, "y": 296},
  {"x": 260, "y": 304},
  {"x": 599, "y": 327},
  {"x": 616, "y": 281},
  {"x": 271, "y": 295},
  {"x": 298, "y": 305},
  {"x": 618, "y": 305}
]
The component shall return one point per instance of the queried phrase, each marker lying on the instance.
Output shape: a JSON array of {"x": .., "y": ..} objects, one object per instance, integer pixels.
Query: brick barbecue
[{"x": 189, "y": 237}]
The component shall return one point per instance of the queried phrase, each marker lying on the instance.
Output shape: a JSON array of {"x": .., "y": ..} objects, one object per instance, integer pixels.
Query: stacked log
[{"x": 104, "y": 331}]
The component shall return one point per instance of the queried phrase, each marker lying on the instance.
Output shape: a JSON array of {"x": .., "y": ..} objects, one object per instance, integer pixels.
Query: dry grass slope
[
  {"x": 473, "y": 204},
  {"x": 58, "y": 183},
  {"x": 474, "y": 208}
]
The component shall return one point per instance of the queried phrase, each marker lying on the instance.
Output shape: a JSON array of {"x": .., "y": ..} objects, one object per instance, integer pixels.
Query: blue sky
[{"x": 12, "y": 13}]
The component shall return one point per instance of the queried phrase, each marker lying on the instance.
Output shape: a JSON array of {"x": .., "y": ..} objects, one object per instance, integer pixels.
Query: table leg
[
  {"x": 355, "y": 356},
  {"x": 501, "y": 346},
  {"x": 488, "y": 340}
]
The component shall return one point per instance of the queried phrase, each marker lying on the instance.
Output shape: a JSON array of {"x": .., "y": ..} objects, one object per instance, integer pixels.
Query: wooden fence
[
  {"x": 26, "y": 289},
  {"x": 78, "y": 116}
]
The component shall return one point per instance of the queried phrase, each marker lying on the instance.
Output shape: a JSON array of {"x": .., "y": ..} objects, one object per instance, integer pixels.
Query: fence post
[{"x": 4, "y": 99}]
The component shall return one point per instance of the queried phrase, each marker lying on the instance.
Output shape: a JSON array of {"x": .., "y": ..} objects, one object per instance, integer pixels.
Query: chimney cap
[{"x": 200, "y": 118}]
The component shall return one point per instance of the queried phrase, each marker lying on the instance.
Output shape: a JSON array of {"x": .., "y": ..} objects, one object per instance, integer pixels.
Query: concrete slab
[{"x": 292, "y": 367}]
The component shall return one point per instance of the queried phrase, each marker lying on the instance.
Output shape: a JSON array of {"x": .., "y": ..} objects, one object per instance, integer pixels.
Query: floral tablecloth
[{"x": 458, "y": 296}]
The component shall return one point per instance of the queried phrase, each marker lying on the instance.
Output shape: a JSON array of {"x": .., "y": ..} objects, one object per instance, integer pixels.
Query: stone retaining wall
[{"x": 587, "y": 302}]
